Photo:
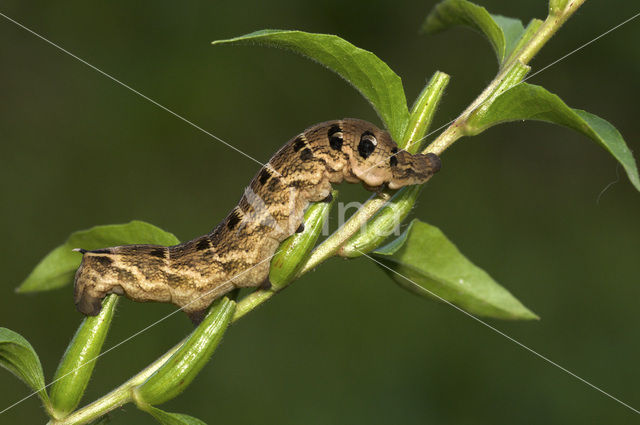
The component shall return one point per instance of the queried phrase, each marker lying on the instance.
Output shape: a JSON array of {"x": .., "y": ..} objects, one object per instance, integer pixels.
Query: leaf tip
[
  {"x": 529, "y": 315},
  {"x": 23, "y": 288}
]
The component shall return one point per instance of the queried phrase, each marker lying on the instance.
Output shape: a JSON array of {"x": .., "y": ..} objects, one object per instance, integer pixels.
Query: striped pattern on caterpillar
[{"x": 235, "y": 254}]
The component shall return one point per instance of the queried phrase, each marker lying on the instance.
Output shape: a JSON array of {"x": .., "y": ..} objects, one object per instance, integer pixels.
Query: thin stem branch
[{"x": 551, "y": 25}]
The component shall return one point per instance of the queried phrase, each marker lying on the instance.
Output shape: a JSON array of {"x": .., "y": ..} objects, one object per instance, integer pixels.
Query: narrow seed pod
[
  {"x": 76, "y": 366},
  {"x": 294, "y": 251},
  {"x": 382, "y": 225},
  {"x": 422, "y": 112},
  {"x": 181, "y": 368}
]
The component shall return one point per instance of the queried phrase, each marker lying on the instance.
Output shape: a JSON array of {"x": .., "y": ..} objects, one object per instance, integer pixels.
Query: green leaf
[
  {"x": 58, "y": 267},
  {"x": 503, "y": 33},
  {"x": 361, "y": 68},
  {"x": 19, "y": 358},
  {"x": 167, "y": 418},
  {"x": 512, "y": 30},
  {"x": 425, "y": 262},
  {"x": 530, "y": 102}
]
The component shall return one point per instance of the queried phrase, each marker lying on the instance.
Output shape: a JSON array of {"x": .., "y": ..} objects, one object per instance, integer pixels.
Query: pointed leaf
[
  {"x": 530, "y": 102},
  {"x": 167, "y": 418},
  {"x": 512, "y": 30},
  {"x": 502, "y": 32},
  {"x": 362, "y": 69},
  {"x": 58, "y": 267},
  {"x": 19, "y": 357},
  {"x": 425, "y": 262}
]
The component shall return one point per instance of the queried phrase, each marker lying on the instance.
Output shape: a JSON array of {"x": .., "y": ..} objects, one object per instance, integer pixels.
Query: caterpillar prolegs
[{"x": 235, "y": 254}]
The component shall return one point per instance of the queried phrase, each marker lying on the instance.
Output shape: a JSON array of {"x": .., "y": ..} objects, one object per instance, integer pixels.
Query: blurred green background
[{"x": 344, "y": 344}]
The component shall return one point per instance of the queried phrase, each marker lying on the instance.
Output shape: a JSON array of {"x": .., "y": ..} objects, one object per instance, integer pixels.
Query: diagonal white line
[
  {"x": 532, "y": 351},
  {"x": 134, "y": 335},
  {"x": 130, "y": 88},
  {"x": 583, "y": 46}
]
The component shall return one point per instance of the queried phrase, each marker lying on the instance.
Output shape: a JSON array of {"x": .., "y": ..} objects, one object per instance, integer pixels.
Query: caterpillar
[{"x": 235, "y": 254}]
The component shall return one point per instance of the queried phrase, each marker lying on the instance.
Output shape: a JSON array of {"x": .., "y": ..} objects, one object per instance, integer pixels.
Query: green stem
[
  {"x": 551, "y": 25},
  {"x": 250, "y": 302}
]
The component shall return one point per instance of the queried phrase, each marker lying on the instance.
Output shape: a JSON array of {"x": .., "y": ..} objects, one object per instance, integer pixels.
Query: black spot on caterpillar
[
  {"x": 233, "y": 219},
  {"x": 203, "y": 244},
  {"x": 159, "y": 252},
  {"x": 193, "y": 274},
  {"x": 104, "y": 261},
  {"x": 335, "y": 137},
  {"x": 367, "y": 144},
  {"x": 298, "y": 143},
  {"x": 264, "y": 175},
  {"x": 306, "y": 155}
]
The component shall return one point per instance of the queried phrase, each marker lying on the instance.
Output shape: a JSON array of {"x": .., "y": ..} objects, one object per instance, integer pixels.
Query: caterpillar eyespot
[
  {"x": 367, "y": 144},
  {"x": 193, "y": 274}
]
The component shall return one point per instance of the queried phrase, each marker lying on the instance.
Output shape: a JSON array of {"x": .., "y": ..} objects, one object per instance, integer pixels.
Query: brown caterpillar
[{"x": 193, "y": 274}]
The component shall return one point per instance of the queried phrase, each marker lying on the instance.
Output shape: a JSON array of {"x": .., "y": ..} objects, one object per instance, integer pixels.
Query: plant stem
[
  {"x": 250, "y": 302},
  {"x": 550, "y": 26}
]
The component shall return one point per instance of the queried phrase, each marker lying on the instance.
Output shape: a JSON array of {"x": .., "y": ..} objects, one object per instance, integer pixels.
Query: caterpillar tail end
[{"x": 86, "y": 302}]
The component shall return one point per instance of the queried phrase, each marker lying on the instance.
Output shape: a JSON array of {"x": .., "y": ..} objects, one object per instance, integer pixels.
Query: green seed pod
[
  {"x": 295, "y": 250},
  {"x": 422, "y": 112},
  {"x": 178, "y": 372},
  {"x": 76, "y": 366},
  {"x": 382, "y": 224}
]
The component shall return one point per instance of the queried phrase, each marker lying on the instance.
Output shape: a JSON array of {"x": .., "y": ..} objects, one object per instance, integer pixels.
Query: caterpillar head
[{"x": 376, "y": 159}]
